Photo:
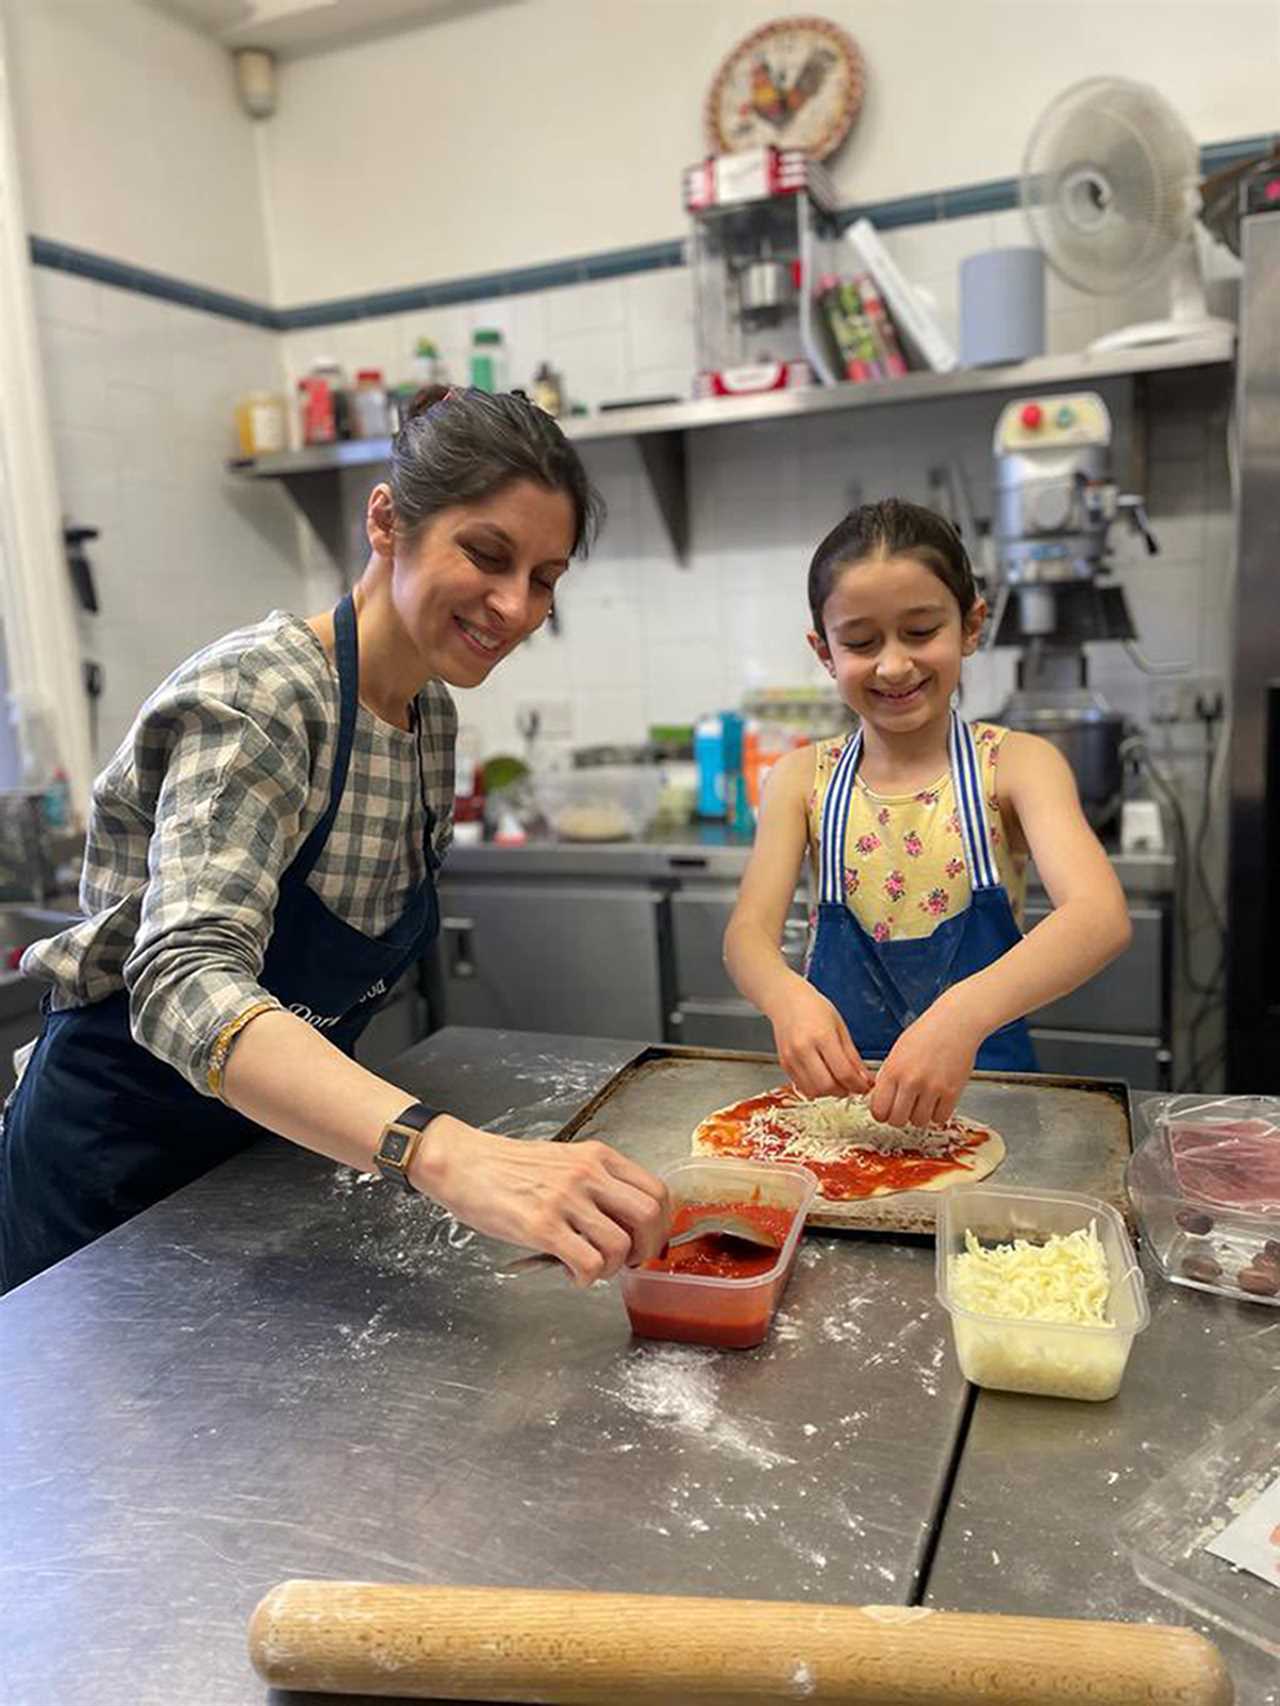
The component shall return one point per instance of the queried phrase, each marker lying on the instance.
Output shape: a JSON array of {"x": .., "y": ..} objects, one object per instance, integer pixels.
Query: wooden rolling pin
[{"x": 605, "y": 1649}]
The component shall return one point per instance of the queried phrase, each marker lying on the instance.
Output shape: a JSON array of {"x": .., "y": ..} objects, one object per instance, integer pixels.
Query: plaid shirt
[{"x": 202, "y": 809}]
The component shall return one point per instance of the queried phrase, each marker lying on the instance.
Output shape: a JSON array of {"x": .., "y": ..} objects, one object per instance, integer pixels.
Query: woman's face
[{"x": 480, "y": 577}]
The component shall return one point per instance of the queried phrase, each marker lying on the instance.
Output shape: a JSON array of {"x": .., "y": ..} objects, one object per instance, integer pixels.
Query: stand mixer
[{"x": 1055, "y": 505}]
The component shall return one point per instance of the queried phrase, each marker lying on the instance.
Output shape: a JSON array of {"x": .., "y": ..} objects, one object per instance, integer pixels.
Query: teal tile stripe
[{"x": 997, "y": 195}]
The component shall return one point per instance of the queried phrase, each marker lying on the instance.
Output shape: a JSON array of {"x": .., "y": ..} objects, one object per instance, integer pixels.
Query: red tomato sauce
[
  {"x": 860, "y": 1174},
  {"x": 724, "y": 1258}
]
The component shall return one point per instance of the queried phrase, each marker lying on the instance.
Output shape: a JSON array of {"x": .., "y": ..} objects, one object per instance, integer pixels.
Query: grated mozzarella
[
  {"x": 828, "y": 1127},
  {"x": 1064, "y": 1279}
]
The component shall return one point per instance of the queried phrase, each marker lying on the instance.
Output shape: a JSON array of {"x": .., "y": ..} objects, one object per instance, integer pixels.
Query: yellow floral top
[{"x": 904, "y": 857}]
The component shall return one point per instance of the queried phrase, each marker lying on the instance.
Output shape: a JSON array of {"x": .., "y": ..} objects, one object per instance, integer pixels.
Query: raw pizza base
[{"x": 979, "y": 1163}]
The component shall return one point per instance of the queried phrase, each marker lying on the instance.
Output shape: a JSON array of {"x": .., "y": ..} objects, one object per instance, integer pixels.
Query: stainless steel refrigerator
[{"x": 1253, "y": 896}]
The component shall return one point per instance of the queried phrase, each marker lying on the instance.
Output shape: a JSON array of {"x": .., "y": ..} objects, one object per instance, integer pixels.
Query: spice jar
[
  {"x": 370, "y": 416},
  {"x": 260, "y": 423}
]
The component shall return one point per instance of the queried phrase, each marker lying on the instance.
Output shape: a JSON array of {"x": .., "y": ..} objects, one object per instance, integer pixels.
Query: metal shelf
[{"x": 659, "y": 429}]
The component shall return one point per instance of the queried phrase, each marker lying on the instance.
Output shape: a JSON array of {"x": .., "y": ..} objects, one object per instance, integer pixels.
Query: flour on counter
[{"x": 676, "y": 1388}]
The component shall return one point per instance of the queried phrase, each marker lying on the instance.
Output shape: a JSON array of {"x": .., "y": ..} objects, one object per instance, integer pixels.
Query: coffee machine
[{"x": 1055, "y": 503}]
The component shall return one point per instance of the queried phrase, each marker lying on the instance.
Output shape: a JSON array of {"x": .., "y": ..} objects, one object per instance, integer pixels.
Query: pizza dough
[{"x": 853, "y": 1155}]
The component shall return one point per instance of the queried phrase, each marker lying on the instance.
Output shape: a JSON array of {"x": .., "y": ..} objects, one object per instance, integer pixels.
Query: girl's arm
[
  {"x": 813, "y": 1043},
  {"x": 927, "y": 1068}
]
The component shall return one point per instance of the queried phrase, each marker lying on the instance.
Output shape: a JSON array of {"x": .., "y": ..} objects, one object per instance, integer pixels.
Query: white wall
[
  {"x": 133, "y": 143},
  {"x": 555, "y": 128},
  {"x": 140, "y": 398}
]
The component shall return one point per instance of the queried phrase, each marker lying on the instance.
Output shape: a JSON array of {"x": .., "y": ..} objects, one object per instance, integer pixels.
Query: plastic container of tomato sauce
[{"x": 709, "y": 1293}]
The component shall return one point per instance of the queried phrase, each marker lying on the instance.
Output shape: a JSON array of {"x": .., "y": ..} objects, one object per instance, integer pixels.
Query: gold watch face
[
  {"x": 796, "y": 82},
  {"x": 393, "y": 1146}
]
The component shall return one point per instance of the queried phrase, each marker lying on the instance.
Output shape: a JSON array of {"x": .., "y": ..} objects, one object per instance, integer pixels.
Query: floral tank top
[{"x": 904, "y": 860}]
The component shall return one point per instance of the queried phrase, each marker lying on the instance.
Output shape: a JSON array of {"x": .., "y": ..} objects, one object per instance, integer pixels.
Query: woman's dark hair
[
  {"x": 892, "y": 528},
  {"x": 458, "y": 447}
]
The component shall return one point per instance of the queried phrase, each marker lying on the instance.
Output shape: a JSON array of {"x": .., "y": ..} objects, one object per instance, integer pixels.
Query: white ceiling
[{"x": 291, "y": 28}]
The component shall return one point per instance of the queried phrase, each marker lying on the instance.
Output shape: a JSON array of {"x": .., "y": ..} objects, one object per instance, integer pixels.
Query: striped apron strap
[
  {"x": 966, "y": 777},
  {"x": 835, "y": 818}
]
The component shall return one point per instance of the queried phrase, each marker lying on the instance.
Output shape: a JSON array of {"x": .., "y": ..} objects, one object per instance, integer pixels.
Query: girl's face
[
  {"x": 892, "y": 640},
  {"x": 480, "y": 578}
]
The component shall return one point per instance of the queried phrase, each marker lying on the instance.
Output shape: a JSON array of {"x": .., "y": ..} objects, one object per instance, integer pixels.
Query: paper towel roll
[{"x": 1001, "y": 306}]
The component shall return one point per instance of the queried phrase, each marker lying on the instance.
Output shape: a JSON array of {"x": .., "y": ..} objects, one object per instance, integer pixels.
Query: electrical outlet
[
  {"x": 1186, "y": 699},
  {"x": 554, "y": 717}
]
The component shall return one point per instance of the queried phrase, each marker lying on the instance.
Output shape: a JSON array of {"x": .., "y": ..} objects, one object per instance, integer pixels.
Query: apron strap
[
  {"x": 835, "y": 819},
  {"x": 966, "y": 780},
  {"x": 347, "y": 651}
]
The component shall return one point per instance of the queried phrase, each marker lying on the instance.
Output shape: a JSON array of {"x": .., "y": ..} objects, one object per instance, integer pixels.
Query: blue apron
[
  {"x": 880, "y": 988},
  {"x": 99, "y": 1128}
]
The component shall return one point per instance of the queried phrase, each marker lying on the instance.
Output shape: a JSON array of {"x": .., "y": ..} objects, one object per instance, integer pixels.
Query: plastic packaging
[
  {"x": 1205, "y": 1184},
  {"x": 261, "y": 425},
  {"x": 604, "y": 803},
  {"x": 732, "y": 1313},
  {"x": 370, "y": 416},
  {"x": 1166, "y": 1532},
  {"x": 708, "y": 753},
  {"x": 1047, "y": 1359},
  {"x": 489, "y": 360}
]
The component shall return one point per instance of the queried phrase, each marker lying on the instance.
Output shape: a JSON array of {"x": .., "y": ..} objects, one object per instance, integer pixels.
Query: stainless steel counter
[
  {"x": 701, "y": 852},
  {"x": 286, "y": 1370}
]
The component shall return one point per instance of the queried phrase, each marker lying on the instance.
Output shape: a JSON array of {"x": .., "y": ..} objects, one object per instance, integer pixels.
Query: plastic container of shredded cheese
[{"x": 1051, "y": 1359}]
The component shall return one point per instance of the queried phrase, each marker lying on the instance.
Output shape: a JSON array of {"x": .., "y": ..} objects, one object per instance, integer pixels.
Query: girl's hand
[
  {"x": 926, "y": 1069},
  {"x": 814, "y": 1045},
  {"x": 584, "y": 1203}
]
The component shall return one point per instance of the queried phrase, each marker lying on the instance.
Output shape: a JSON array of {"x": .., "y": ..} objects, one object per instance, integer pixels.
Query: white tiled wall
[
  {"x": 141, "y": 398},
  {"x": 645, "y": 640}
]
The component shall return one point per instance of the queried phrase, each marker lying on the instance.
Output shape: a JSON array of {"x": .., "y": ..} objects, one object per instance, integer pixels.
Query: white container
[
  {"x": 1048, "y": 1359},
  {"x": 607, "y": 802}
]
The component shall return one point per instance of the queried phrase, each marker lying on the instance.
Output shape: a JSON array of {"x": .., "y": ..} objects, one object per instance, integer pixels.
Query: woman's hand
[
  {"x": 583, "y": 1203},
  {"x": 927, "y": 1068},
  {"x": 814, "y": 1044}
]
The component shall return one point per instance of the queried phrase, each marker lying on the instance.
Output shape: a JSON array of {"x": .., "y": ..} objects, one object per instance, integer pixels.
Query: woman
[{"x": 260, "y": 867}]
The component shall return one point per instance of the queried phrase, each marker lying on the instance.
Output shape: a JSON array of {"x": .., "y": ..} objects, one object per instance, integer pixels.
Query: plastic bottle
[
  {"x": 708, "y": 753},
  {"x": 370, "y": 417},
  {"x": 488, "y": 360}
]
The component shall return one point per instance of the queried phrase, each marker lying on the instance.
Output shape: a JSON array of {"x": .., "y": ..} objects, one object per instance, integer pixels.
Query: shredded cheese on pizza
[
  {"x": 1064, "y": 1279},
  {"x": 829, "y": 1127}
]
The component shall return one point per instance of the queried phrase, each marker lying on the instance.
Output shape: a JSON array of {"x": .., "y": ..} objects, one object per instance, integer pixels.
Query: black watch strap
[{"x": 399, "y": 1140}]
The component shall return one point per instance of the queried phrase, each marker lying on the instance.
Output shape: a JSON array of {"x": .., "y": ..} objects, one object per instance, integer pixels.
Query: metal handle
[
  {"x": 461, "y": 963},
  {"x": 1130, "y": 504}
]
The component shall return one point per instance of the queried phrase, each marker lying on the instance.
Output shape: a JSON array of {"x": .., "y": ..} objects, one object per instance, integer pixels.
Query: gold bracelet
[{"x": 224, "y": 1039}]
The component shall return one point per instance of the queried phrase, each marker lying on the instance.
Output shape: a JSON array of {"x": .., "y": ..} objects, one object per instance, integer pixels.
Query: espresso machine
[
  {"x": 763, "y": 235},
  {"x": 1055, "y": 504}
]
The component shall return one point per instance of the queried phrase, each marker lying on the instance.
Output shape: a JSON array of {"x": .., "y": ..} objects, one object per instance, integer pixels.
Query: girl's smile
[{"x": 892, "y": 640}]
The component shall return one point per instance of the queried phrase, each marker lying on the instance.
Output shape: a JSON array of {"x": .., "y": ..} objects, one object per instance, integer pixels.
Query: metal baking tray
[{"x": 1061, "y": 1133}]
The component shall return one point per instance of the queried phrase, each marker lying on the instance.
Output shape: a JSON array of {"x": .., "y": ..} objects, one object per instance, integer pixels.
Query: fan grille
[{"x": 1110, "y": 184}]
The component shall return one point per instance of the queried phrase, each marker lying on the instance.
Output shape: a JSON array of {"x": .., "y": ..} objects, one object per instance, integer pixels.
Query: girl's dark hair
[
  {"x": 458, "y": 447},
  {"x": 892, "y": 528}
]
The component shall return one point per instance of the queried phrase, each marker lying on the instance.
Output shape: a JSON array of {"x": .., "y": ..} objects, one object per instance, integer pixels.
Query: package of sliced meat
[
  {"x": 1205, "y": 1187},
  {"x": 1226, "y": 1152}
]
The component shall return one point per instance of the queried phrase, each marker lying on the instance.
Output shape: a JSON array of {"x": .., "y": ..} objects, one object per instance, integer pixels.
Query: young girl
[{"x": 918, "y": 826}]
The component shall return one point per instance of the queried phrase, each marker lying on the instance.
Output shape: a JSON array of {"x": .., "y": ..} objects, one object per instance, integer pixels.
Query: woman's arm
[
  {"x": 1089, "y": 925},
  {"x": 582, "y": 1202},
  {"x": 813, "y": 1043}
]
